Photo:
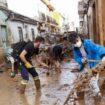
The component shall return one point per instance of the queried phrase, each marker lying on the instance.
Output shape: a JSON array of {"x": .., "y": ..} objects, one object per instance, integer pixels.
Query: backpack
[{"x": 18, "y": 48}]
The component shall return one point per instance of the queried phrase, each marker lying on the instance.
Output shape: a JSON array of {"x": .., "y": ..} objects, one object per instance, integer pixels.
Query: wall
[
  {"x": 2, "y": 23},
  {"x": 90, "y": 23},
  {"x": 85, "y": 26},
  {"x": 103, "y": 11},
  {"x": 1, "y": 55},
  {"x": 101, "y": 15},
  {"x": 42, "y": 7},
  {"x": 96, "y": 21},
  {"x": 13, "y": 25}
]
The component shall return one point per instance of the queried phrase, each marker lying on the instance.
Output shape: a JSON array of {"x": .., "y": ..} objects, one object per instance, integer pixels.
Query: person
[
  {"x": 66, "y": 48},
  {"x": 54, "y": 53},
  {"x": 64, "y": 44},
  {"x": 84, "y": 50},
  {"x": 26, "y": 65},
  {"x": 12, "y": 61}
]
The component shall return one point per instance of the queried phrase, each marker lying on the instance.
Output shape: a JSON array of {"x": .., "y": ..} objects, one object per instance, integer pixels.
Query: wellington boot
[
  {"x": 37, "y": 84},
  {"x": 22, "y": 89}
]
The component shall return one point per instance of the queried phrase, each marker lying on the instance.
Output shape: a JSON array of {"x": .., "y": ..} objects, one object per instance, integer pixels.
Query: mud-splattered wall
[{"x": 1, "y": 56}]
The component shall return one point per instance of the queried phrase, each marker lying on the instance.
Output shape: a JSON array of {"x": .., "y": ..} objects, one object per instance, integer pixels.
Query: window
[
  {"x": 26, "y": 29},
  {"x": 33, "y": 34},
  {"x": 20, "y": 33}
]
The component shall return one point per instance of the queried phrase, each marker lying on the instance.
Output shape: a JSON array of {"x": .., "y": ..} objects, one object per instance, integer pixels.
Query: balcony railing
[{"x": 42, "y": 16}]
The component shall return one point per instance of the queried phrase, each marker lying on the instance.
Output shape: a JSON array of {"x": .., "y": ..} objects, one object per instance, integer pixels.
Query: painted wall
[
  {"x": 90, "y": 22},
  {"x": 101, "y": 17},
  {"x": 3, "y": 30},
  {"x": 13, "y": 25}
]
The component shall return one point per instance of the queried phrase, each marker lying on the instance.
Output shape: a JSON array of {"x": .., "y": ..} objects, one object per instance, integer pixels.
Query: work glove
[
  {"x": 28, "y": 65},
  {"x": 84, "y": 60}
]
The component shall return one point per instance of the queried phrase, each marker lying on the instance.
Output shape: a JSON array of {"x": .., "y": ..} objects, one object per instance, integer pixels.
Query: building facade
[
  {"x": 15, "y": 28},
  {"x": 3, "y": 32},
  {"x": 46, "y": 23},
  {"x": 93, "y": 19},
  {"x": 19, "y": 27}
]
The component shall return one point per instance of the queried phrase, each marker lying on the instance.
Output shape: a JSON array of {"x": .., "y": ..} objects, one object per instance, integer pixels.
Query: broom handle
[{"x": 94, "y": 60}]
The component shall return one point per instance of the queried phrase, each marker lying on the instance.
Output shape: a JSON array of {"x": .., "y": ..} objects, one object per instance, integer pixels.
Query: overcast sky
[
  {"x": 68, "y": 7},
  {"x": 27, "y": 7}
]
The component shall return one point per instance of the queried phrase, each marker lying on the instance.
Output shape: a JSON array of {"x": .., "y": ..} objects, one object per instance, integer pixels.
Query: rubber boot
[
  {"x": 22, "y": 88},
  {"x": 12, "y": 74},
  {"x": 37, "y": 84}
]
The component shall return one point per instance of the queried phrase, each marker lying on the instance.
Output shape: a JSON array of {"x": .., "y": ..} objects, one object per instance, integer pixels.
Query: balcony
[
  {"x": 48, "y": 19},
  {"x": 82, "y": 7},
  {"x": 86, "y": 1},
  {"x": 51, "y": 20},
  {"x": 54, "y": 22},
  {"x": 42, "y": 16}
]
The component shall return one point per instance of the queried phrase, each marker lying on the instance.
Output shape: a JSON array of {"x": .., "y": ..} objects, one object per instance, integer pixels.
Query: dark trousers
[{"x": 25, "y": 71}]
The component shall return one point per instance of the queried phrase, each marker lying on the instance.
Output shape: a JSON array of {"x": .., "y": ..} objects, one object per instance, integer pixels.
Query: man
[
  {"x": 26, "y": 65},
  {"x": 54, "y": 53},
  {"x": 66, "y": 48},
  {"x": 84, "y": 50}
]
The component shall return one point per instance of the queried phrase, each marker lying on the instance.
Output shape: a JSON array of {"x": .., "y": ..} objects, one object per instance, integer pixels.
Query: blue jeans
[{"x": 25, "y": 71}]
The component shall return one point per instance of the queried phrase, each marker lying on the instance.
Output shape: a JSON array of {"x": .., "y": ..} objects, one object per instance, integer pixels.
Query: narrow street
[{"x": 55, "y": 88}]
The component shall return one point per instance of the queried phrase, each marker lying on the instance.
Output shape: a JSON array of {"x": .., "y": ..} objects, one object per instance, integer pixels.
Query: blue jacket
[{"x": 94, "y": 52}]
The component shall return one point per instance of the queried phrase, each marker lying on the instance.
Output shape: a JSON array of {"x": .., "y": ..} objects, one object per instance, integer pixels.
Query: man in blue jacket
[{"x": 84, "y": 50}]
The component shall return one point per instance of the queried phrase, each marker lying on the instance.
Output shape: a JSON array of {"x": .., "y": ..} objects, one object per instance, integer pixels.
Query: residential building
[
  {"x": 15, "y": 28},
  {"x": 19, "y": 27},
  {"x": 46, "y": 23},
  {"x": 93, "y": 19},
  {"x": 59, "y": 19}
]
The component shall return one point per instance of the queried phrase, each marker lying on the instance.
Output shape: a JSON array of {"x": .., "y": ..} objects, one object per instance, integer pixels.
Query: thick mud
[{"x": 55, "y": 88}]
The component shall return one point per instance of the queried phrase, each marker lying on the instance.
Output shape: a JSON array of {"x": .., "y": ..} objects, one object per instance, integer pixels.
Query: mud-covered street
[{"x": 54, "y": 88}]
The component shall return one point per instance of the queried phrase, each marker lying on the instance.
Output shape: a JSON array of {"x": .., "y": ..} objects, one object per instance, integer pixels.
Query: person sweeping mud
[
  {"x": 54, "y": 53},
  {"x": 84, "y": 50},
  {"x": 26, "y": 66}
]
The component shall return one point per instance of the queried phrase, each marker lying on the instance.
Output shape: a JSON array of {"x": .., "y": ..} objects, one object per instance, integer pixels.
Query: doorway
[{"x": 3, "y": 41}]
